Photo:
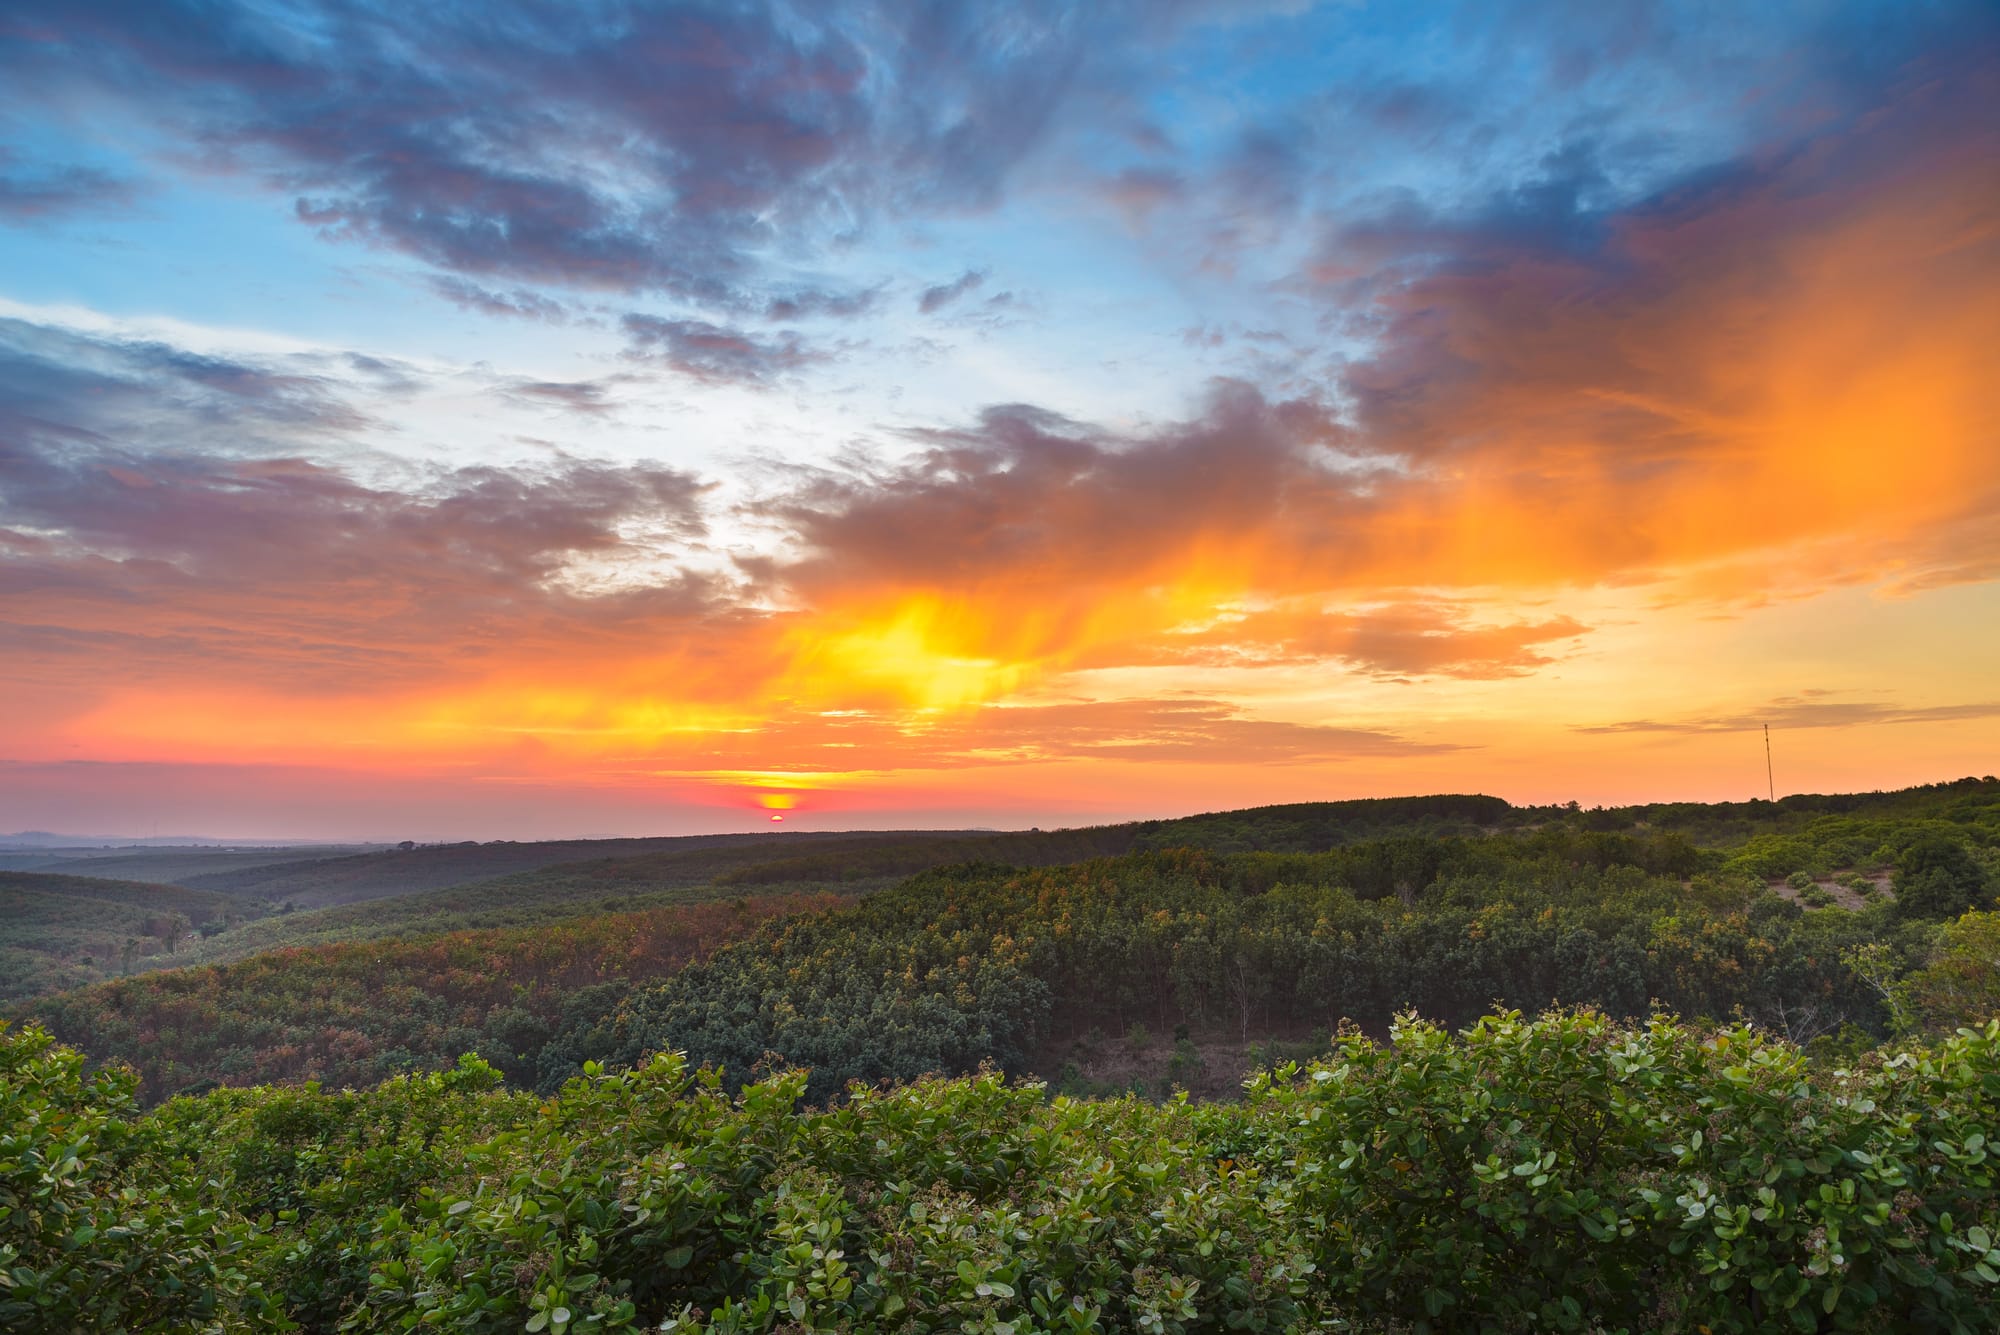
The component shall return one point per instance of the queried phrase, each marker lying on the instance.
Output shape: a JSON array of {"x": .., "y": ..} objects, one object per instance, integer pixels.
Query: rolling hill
[{"x": 66, "y": 931}]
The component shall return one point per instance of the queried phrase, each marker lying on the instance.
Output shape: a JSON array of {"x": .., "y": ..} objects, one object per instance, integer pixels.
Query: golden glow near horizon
[{"x": 1551, "y": 501}]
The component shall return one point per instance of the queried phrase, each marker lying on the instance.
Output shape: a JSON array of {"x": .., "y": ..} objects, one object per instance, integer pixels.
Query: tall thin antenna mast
[{"x": 1768, "y": 779}]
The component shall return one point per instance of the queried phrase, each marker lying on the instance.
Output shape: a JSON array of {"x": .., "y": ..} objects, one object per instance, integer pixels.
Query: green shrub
[
  {"x": 1187, "y": 1066},
  {"x": 1566, "y": 1174},
  {"x": 1937, "y": 877},
  {"x": 1563, "y": 1174},
  {"x": 91, "y": 1236},
  {"x": 1960, "y": 982}
]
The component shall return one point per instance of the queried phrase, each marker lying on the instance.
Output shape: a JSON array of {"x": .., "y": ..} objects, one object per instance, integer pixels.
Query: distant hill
[
  {"x": 66, "y": 931},
  {"x": 357, "y": 1013},
  {"x": 47, "y": 839},
  {"x": 325, "y": 881},
  {"x": 384, "y": 895},
  {"x": 349, "y": 894},
  {"x": 167, "y": 865},
  {"x": 689, "y": 871}
]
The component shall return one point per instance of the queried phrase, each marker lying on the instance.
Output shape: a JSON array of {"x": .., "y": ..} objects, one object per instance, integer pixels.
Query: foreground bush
[
  {"x": 90, "y": 1238},
  {"x": 1563, "y": 1174}
]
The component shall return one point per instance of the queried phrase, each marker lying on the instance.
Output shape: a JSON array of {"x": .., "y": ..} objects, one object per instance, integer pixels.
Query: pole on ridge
[{"x": 1769, "y": 781}]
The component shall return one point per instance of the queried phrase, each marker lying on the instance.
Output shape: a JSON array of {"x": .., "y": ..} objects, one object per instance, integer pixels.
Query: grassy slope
[
  {"x": 816, "y": 856},
  {"x": 685, "y": 873}
]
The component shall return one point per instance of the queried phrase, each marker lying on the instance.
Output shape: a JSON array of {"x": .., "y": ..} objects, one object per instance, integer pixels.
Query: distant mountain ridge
[{"x": 48, "y": 839}]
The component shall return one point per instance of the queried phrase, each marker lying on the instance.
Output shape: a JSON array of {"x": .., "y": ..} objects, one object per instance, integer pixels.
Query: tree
[
  {"x": 1936, "y": 877},
  {"x": 1961, "y": 983}
]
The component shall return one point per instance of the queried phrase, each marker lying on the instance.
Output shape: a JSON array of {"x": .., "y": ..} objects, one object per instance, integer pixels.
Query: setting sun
[
  {"x": 1361, "y": 427},
  {"x": 734, "y": 666}
]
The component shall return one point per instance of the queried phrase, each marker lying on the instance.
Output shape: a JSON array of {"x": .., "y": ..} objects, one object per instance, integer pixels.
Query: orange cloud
[{"x": 1771, "y": 380}]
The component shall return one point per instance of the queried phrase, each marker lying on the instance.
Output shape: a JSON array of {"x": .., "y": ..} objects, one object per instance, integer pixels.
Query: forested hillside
[
  {"x": 401, "y": 871},
  {"x": 812, "y": 856},
  {"x": 66, "y": 931},
  {"x": 965, "y": 965},
  {"x": 353, "y": 1015},
  {"x": 1143, "y": 971},
  {"x": 757, "y": 865},
  {"x": 391, "y": 893}
]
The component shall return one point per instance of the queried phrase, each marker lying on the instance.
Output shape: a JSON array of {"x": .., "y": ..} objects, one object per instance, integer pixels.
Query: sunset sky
[{"x": 520, "y": 420}]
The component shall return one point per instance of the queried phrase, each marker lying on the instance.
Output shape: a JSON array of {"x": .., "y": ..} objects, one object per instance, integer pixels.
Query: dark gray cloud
[
  {"x": 591, "y": 398},
  {"x": 1030, "y": 497},
  {"x": 814, "y": 303},
  {"x": 149, "y": 452},
  {"x": 517, "y": 303},
  {"x": 1818, "y": 709},
  {"x": 385, "y": 375},
  {"x": 223, "y": 517},
  {"x": 58, "y": 384},
  {"x": 668, "y": 147},
  {"x": 716, "y": 354},
  {"x": 161, "y": 498},
  {"x": 936, "y": 298},
  {"x": 30, "y": 192}
]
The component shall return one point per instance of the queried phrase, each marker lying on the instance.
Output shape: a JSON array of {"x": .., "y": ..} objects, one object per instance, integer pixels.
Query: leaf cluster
[{"x": 1566, "y": 1173}]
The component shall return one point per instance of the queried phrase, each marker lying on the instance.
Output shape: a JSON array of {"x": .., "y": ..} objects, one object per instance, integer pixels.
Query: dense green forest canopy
[{"x": 976, "y": 963}]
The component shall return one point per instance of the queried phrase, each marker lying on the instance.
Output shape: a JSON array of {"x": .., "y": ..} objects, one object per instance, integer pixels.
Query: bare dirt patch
[
  {"x": 1208, "y": 1063},
  {"x": 1838, "y": 889}
]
